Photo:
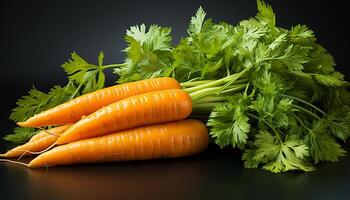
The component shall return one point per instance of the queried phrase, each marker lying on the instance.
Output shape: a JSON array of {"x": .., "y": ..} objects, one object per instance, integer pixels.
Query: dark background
[{"x": 36, "y": 37}]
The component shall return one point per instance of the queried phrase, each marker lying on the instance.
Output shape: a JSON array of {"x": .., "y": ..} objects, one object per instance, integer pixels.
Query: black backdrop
[{"x": 37, "y": 36}]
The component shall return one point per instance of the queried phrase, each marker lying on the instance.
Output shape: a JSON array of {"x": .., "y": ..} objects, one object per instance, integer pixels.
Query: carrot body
[
  {"x": 174, "y": 139},
  {"x": 74, "y": 109},
  {"x": 38, "y": 142},
  {"x": 145, "y": 109}
]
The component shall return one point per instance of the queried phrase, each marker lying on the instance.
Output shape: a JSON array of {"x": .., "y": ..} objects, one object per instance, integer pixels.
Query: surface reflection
[
  {"x": 162, "y": 178},
  {"x": 214, "y": 174}
]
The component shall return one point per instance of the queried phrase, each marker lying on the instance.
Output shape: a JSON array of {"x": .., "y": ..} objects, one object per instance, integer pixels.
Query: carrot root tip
[
  {"x": 20, "y": 123},
  {"x": 14, "y": 162}
]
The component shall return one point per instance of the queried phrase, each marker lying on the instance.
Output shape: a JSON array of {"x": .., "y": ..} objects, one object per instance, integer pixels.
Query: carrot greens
[{"x": 272, "y": 92}]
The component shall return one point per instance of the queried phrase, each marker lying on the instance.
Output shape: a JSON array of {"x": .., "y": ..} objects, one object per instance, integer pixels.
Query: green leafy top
[
  {"x": 20, "y": 135},
  {"x": 37, "y": 101},
  {"x": 148, "y": 53},
  {"x": 286, "y": 72},
  {"x": 196, "y": 24},
  {"x": 84, "y": 74}
]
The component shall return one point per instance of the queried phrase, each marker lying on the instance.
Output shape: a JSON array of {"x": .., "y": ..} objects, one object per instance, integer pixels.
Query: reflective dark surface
[
  {"x": 37, "y": 36},
  {"x": 211, "y": 175}
]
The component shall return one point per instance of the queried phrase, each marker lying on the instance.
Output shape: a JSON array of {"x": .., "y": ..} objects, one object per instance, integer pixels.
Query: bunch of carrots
[{"x": 132, "y": 121}]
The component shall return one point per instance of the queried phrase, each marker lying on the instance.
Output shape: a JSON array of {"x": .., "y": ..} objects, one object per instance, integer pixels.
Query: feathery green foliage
[{"x": 286, "y": 72}]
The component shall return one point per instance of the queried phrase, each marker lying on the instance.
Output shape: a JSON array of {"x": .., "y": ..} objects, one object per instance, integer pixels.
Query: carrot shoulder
[
  {"x": 168, "y": 140},
  {"x": 38, "y": 142},
  {"x": 74, "y": 109},
  {"x": 140, "y": 110}
]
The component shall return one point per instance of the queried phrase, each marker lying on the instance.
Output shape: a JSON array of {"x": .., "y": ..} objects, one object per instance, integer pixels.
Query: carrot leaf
[
  {"x": 37, "y": 101},
  {"x": 85, "y": 74},
  {"x": 196, "y": 23},
  {"x": 229, "y": 122},
  {"x": 276, "y": 157},
  {"x": 20, "y": 135},
  {"x": 149, "y": 53}
]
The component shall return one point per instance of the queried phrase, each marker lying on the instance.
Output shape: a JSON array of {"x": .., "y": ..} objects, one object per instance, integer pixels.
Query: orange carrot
[
  {"x": 175, "y": 139},
  {"x": 74, "y": 109},
  {"x": 145, "y": 109},
  {"x": 38, "y": 142}
]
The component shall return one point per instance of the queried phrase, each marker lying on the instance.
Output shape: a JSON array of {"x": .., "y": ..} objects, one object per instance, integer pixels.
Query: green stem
[
  {"x": 94, "y": 67},
  {"x": 307, "y": 111},
  {"x": 234, "y": 89},
  {"x": 221, "y": 81},
  {"x": 301, "y": 122},
  {"x": 204, "y": 92},
  {"x": 194, "y": 83},
  {"x": 268, "y": 124},
  {"x": 76, "y": 91},
  {"x": 211, "y": 99},
  {"x": 233, "y": 80},
  {"x": 113, "y": 66},
  {"x": 189, "y": 84},
  {"x": 307, "y": 103},
  {"x": 214, "y": 91},
  {"x": 242, "y": 80}
]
